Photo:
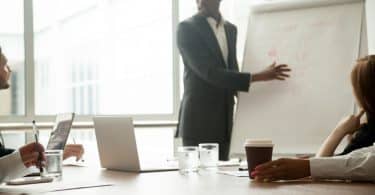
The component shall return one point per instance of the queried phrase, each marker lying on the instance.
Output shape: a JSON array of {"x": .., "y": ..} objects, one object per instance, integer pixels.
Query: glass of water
[
  {"x": 188, "y": 159},
  {"x": 209, "y": 154},
  {"x": 53, "y": 166}
]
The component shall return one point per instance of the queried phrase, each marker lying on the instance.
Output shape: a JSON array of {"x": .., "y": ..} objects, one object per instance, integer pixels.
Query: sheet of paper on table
[
  {"x": 51, "y": 187},
  {"x": 235, "y": 173}
]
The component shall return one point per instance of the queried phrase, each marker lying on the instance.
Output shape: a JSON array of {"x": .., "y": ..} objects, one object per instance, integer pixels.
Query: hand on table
[
  {"x": 282, "y": 169},
  {"x": 73, "y": 150}
]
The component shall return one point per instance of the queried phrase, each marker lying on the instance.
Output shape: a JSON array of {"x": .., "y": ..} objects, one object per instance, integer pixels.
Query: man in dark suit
[{"x": 207, "y": 44}]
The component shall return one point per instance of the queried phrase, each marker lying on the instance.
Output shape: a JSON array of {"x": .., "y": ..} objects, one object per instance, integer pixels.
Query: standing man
[{"x": 207, "y": 44}]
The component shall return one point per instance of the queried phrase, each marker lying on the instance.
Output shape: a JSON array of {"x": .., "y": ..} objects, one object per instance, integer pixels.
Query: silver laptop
[
  {"x": 118, "y": 148},
  {"x": 60, "y": 132}
]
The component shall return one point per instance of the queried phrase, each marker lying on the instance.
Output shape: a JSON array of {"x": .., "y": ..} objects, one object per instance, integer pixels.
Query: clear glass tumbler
[
  {"x": 188, "y": 159},
  {"x": 208, "y": 154},
  {"x": 53, "y": 166}
]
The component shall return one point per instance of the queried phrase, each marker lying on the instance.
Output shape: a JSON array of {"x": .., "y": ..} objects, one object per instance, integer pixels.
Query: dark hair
[{"x": 363, "y": 81}]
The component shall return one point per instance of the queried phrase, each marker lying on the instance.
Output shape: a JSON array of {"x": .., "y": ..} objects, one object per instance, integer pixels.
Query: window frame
[{"x": 30, "y": 77}]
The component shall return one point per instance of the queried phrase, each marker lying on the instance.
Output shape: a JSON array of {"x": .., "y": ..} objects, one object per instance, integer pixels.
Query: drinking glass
[
  {"x": 188, "y": 159},
  {"x": 53, "y": 166},
  {"x": 208, "y": 154}
]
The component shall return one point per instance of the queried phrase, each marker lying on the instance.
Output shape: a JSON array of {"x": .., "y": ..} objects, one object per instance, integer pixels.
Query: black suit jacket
[
  {"x": 364, "y": 137},
  {"x": 206, "y": 111},
  {"x": 5, "y": 151}
]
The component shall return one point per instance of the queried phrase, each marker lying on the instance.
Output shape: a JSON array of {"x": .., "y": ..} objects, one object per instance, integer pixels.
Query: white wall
[{"x": 370, "y": 12}]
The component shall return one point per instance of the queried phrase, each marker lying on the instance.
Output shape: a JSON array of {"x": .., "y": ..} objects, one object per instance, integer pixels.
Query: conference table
[{"x": 201, "y": 183}]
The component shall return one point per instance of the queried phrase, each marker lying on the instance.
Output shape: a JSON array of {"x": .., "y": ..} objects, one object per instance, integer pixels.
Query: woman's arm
[
  {"x": 347, "y": 126},
  {"x": 358, "y": 166}
]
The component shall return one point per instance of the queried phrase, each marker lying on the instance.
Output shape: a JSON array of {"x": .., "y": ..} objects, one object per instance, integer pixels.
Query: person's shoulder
[
  {"x": 366, "y": 128},
  {"x": 189, "y": 26},
  {"x": 230, "y": 25},
  {"x": 5, "y": 151},
  {"x": 365, "y": 134},
  {"x": 188, "y": 23}
]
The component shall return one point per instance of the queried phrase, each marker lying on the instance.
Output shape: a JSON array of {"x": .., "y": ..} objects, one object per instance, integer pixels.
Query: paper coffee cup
[{"x": 258, "y": 151}]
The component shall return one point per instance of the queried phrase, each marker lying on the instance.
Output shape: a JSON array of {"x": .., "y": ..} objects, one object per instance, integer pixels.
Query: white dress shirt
[
  {"x": 11, "y": 167},
  {"x": 358, "y": 165},
  {"x": 219, "y": 31}
]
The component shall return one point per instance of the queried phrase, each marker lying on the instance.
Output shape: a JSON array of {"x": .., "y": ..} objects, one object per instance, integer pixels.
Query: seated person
[
  {"x": 353, "y": 163},
  {"x": 13, "y": 163}
]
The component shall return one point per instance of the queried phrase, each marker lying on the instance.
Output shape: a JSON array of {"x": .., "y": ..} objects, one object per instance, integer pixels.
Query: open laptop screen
[{"x": 60, "y": 132}]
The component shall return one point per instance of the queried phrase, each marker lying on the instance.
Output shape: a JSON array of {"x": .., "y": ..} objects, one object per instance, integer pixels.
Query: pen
[
  {"x": 243, "y": 169},
  {"x": 36, "y": 147}
]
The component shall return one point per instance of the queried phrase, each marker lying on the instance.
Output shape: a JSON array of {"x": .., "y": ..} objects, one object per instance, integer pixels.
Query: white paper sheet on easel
[{"x": 320, "y": 43}]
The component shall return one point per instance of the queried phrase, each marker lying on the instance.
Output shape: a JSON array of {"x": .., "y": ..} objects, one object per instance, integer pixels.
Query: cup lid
[{"x": 259, "y": 142}]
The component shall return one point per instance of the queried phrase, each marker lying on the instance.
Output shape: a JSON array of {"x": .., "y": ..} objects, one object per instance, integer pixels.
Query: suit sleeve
[
  {"x": 235, "y": 50},
  {"x": 200, "y": 63},
  {"x": 236, "y": 68},
  {"x": 11, "y": 167}
]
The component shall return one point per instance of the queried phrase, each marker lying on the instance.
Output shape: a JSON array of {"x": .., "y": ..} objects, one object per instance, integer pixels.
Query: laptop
[
  {"x": 60, "y": 131},
  {"x": 118, "y": 148}
]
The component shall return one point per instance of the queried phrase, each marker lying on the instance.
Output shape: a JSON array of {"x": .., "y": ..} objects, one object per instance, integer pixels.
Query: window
[
  {"x": 12, "y": 43},
  {"x": 103, "y": 57},
  {"x": 98, "y": 57}
]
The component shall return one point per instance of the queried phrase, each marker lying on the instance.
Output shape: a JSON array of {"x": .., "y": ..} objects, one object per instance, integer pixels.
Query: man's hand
[
  {"x": 30, "y": 154},
  {"x": 73, "y": 150},
  {"x": 282, "y": 169},
  {"x": 272, "y": 72}
]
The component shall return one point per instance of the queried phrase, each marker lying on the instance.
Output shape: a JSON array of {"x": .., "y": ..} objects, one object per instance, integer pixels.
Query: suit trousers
[{"x": 223, "y": 146}]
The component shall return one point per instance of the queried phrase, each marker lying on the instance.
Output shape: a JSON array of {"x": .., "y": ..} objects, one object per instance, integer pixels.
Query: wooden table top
[{"x": 204, "y": 182}]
